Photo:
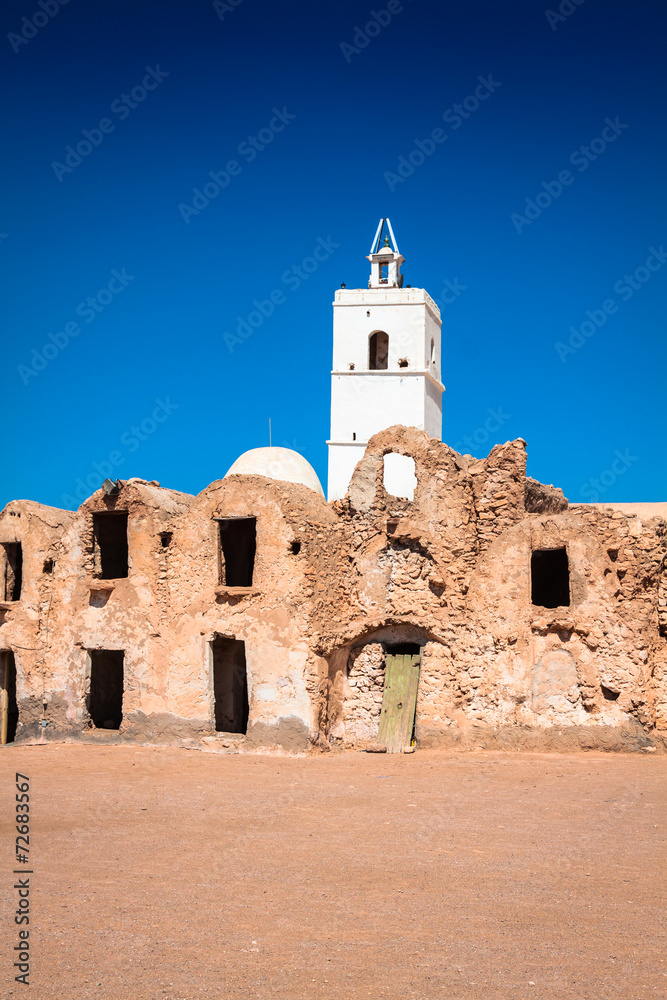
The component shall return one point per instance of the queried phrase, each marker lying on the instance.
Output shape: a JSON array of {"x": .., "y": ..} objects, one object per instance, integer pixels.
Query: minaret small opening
[{"x": 378, "y": 351}]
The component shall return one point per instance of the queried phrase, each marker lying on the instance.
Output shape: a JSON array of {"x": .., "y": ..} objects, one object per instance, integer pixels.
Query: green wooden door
[{"x": 399, "y": 701}]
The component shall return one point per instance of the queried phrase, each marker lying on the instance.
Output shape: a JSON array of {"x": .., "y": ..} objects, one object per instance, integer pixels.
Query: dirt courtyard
[{"x": 162, "y": 874}]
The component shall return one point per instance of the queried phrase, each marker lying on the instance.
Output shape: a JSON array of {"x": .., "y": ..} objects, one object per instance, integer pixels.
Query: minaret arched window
[{"x": 378, "y": 351}]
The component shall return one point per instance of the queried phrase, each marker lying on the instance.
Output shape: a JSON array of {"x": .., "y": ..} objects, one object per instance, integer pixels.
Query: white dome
[{"x": 277, "y": 463}]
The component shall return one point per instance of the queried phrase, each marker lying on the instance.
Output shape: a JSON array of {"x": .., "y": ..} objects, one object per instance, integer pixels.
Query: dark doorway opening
[
  {"x": 230, "y": 685},
  {"x": 550, "y": 578},
  {"x": 12, "y": 570},
  {"x": 9, "y": 705},
  {"x": 105, "y": 697},
  {"x": 238, "y": 542},
  {"x": 405, "y": 649},
  {"x": 110, "y": 545},
  {"x": 378, "y": 351}
]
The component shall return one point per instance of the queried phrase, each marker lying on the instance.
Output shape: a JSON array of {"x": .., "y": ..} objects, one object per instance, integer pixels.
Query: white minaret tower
[{"x": 386, "y": 362}]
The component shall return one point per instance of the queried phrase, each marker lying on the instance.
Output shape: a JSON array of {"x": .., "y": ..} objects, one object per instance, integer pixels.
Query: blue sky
[{"x": 117, "y": 295}]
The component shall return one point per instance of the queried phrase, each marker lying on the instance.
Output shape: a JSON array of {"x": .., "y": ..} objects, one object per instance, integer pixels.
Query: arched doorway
[{"x": 374, "y": 685}]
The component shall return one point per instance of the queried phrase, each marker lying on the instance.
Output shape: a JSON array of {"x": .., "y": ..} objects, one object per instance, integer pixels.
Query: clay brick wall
[{"x": 333, "y": 585}]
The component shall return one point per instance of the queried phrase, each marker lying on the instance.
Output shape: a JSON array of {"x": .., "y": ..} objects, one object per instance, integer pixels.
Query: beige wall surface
[{"x": 334, "y": 587}]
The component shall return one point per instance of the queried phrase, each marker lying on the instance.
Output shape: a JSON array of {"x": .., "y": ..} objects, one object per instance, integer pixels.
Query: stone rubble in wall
[
  {"x": 454, "y": 566},
  {"x": 365, "y": 684},
  {"x": 607, "y": 643}
]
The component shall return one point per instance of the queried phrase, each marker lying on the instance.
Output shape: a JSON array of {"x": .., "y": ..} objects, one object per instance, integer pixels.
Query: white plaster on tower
[{"x": 386, "y": 363}]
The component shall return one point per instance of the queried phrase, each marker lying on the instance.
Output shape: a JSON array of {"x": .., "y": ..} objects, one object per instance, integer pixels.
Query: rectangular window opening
[
  {"x": 12, "y": 576},
  {"x": 105, "y": 695},
  {"x": 238, "y": 542},
  {"x": 550, "y": 578},
  {"x": 110, "y": 545},
  {"x": 230, "y": 685}
]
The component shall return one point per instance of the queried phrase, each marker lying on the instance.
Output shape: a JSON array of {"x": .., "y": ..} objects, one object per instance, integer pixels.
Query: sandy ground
[{"x": 168, "y": 874}]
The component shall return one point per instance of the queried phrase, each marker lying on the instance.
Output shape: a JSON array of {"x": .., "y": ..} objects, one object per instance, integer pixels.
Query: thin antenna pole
[{"x": 269, "y": 432}]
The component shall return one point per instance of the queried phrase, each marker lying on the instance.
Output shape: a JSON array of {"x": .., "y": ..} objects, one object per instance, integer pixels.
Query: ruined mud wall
[
  {"x": 294, "y": 527},
  {"x": 455, "y": 564},
  {"x": 28, "y": 624},
  {"x": 334, "y": 587},
  {"x": 78, "y": 612},
  {"x": 362, "y": 696},
  {"x": 169, "y": 608},
  {"x": 589, "y": 666}
]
